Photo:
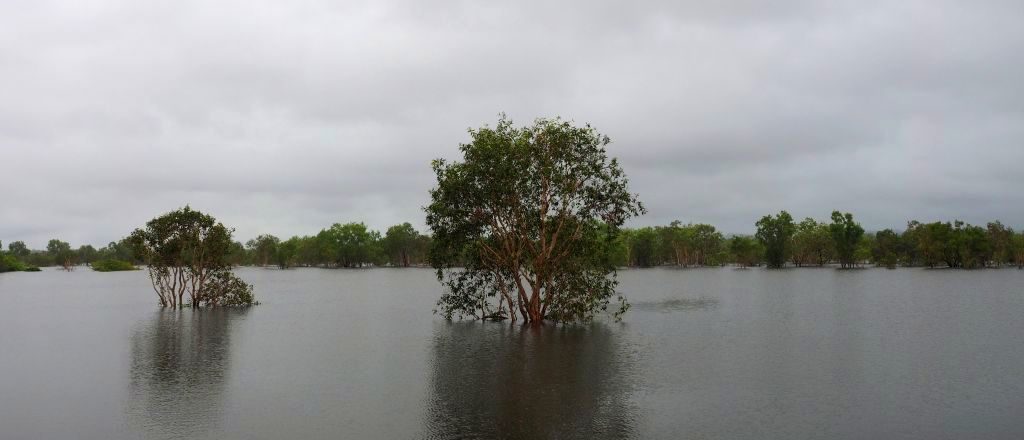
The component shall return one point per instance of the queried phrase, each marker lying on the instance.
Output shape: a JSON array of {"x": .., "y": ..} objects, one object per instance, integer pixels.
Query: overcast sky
[{"x": 286, "y": 116}]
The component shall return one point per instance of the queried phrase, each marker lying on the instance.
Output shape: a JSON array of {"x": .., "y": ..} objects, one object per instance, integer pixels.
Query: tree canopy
[
  {"x": 775, "y": 233},
  {"x": 186, "y": 253},
  {"x": 846, "y": 234},
  {"x": 528, "y": 217}
]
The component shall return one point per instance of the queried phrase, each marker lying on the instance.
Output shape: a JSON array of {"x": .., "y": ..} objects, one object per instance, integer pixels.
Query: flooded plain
[{"x": 703, "y": 353}]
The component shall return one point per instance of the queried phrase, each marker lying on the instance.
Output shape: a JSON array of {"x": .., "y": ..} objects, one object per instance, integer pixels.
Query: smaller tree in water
[{"x": 186, "y": 252}]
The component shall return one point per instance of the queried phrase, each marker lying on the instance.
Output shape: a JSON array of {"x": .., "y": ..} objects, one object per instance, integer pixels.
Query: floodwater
[{"x": 704, "y": 354}]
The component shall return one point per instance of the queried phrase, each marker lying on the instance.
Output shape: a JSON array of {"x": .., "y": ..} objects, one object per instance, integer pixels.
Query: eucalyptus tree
[
  {"x": 18, "y": 249},
  {"x": 238, "y": 255},
  {"x": 263, "y": 249},
  {"x": 862, "y": 253},
  {"x": 621, "y": 248},
  {"x": 775, "y": 234},
  {"x": 403, "y": 245},
  {"x": 1017, "y": 247},
  {"x": 61, "y": 254},
  {"x": 886, "y": 250},
  {"x": 802, "y": 253},
  {"x": 186, "y": 252},
  {"x": 118, "y": 250},
  {"x": 352, "y": 244},
  {"x": 308, "y": 253},
  {"x": 933, "y": 243},
  {"x": 1001, "y": 239},
  {"x": 689, "y": 245},
  {"x": 909, "y": 244},
  {"x": 86, "y": 254},
  {"x": 846, "y": 235},
  {"x": 287, "y": 252},
  {"x": 974, "y": 246},
  {"x": 812, "y": 243},
  {"x": 707, "y": 242},
  {"x": 745, "y": 251},
  {"x": 674, "y": 244},
  {"x": 644, "y": 245},
  {"x": 530, "y": 215}
]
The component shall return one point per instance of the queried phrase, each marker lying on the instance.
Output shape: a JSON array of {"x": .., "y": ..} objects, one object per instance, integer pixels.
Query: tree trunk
[
  {"x": 534, "y": 315},
  {"x": 533, "y": 309}
]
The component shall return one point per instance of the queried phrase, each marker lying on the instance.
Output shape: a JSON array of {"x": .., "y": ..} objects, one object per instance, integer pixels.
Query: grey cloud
[{"x": 286, "y": 117}]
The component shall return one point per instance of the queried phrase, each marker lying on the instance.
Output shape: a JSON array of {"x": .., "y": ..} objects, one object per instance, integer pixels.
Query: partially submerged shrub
[
  {"x": 8, "y": 263},
  {"x": 226, "y": 289},
  {"x": 112, "y": 265}
]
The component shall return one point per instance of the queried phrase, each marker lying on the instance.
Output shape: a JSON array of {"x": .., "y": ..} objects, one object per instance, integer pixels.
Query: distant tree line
[
  {"x": 781, "y": 241},
  {"x": 113, "y": 256},
  {"x": 349, "y": 245},
  {"x": 10, "y": 261},
  {"x": 341, "y": 245}
]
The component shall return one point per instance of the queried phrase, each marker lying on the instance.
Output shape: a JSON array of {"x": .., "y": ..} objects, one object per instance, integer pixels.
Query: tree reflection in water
[
  {"x": 179, "y": 362},
  {"x": 506, "y": 381}
]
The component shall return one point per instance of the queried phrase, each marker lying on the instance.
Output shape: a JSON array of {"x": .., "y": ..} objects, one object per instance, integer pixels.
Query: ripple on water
[{"x": 677, "y": 305}]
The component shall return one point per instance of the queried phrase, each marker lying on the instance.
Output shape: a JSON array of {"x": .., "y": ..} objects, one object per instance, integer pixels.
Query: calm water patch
[{"x": 704, "y": 353}]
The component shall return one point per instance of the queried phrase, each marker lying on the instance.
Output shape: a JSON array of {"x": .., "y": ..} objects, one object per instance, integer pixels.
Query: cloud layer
[{"x": 284, "y": 117}]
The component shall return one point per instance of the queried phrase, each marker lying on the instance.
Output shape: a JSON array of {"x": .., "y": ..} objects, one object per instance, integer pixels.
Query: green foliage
[
  {"x": 62, "y": 254},
  {"x": 18, "y": 249},
  {"x": 111, "y": 265},
  {"x": 745, "y": 250},
  {"x": 287, "y": 252},
  {"x": 775, "y": 234},
  {"x": 958, "y": 244},
  {"x": 119, "y": 250},
  {"x": 1017, "y": 249},
  {"x": 812, "y": 244},
  {"x": 238, "y": 255},
  {"x": 644, "y": 246},
  {"x": 863, "y": 251},
  {"x": 351, "y": 245},
  {"x": 224, "y": 289},
  {"x": 86, "y": 254},
  {"x": 949, "y": 244},
  {"x": 404, "y": 246},
  {"x": 263, "y": 249},
  {"x": 886, "y": 250},
  {"x": 186, "y": 252},
  {"x": 846, "y": 236},
  {"x": 529, "y": 218},
  {"x": 9, "y": 263},
  {"x": 309, "y": 252},
  {"x": 973, "y": 246},
  {"x": 1001, "y": 240},
  {"x": 691, "y": 244}
]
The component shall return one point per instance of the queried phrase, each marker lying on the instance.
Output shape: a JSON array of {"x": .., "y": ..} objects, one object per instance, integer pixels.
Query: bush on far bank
[{"x": 112, "y": 265}]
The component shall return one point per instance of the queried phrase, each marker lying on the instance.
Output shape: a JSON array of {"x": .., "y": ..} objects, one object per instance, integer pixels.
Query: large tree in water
[{"x": 525, "y": 222}]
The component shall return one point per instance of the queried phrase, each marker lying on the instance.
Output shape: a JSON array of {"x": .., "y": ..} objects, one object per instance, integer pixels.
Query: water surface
[{"x": 704, "y": 353}]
